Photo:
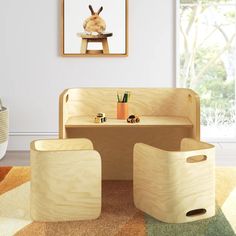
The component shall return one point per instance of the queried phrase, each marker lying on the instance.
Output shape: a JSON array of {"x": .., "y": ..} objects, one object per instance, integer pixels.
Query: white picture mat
[{"x": 114, "y": 14}]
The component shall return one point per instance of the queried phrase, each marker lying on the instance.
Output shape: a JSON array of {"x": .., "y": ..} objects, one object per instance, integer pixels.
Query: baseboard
[{"x": 21, "y": 141}]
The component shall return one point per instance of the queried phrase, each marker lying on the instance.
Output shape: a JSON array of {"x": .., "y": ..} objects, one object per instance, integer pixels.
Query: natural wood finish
[
  {"x": 115, "y": 145},
  {"x": 145, "y": 121},
  {"x": 105, "y": 46},
  {"x": 84, "y": 45},
  {"x": 95, "y": 52},
  {"x": 87, "y": 102},
  {"x": 65, "y": 180},
  {"x": 62, "y": 145},
  {"x": 224, "y": 157},
  {"x": 167, "y": 116},
  {"x": 91, "y": 36},
  {"x": 102, "y": 38},
  {"x": 167, "y": 187},
  {"x": 62, "y": 52}
]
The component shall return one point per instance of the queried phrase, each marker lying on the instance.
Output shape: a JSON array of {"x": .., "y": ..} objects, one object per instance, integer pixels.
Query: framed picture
[{"x": 94, "y": 28}]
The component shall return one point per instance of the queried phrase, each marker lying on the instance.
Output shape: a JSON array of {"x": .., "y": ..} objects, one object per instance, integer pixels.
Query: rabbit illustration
[{"x": 94, "y": 23}]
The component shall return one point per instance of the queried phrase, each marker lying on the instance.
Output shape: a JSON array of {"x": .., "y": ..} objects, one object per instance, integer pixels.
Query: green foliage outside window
[{"x": 208, "y": 57}]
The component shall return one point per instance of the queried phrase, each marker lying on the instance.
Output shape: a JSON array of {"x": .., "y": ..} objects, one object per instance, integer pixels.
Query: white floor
[{"x": 225, "y": 156}]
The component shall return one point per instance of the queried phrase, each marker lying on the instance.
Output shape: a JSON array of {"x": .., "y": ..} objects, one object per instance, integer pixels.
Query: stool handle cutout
[
  {"x": 196, "y": 212},
  {"x": 196, "y": 159}
]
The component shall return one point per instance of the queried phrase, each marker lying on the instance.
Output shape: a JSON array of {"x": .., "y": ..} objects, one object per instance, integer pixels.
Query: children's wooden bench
[{"x": 167, "y": 116}]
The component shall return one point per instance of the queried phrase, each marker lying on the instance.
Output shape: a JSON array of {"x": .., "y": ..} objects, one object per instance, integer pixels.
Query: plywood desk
[{"x": 167, "y": 116}]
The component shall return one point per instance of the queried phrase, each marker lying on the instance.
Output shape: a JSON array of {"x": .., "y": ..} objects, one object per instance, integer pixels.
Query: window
[{"x": 206, "y": 62}]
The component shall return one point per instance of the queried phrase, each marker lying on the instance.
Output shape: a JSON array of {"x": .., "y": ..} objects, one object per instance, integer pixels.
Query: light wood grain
[
  {"x": 167, "y": 187},
  {"x": 84, "y": 45},
  {"x": 65, "y": 180},
  {"x": 144, "y": 102},
  {"x": 224, "y": 157},
  {"x": 94, "y": 39},
  {"x": 63, "y": 113},
  {"x": 167, "y": 116},
  {"x": 149, "y": 121},
  {"x": 95, "y": 52},
  {"x": 91, "y": 36},
  {"x": 62, "y": 145},
  {"x": 105, "y": 46},
  {"x": 115, "y": 145}
]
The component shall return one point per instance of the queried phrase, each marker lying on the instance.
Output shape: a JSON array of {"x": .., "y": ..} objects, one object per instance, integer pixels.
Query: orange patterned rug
[{"x": 119, "y": 216}]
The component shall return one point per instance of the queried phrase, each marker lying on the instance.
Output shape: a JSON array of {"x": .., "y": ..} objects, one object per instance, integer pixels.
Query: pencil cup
[{"x": 122, "y": 110}]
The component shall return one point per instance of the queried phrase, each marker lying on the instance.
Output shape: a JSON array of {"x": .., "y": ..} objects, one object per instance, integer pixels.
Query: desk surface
[{"x": 146, "y": 121}]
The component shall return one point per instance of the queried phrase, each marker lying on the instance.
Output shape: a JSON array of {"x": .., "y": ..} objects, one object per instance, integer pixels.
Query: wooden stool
[
  {"x": 102, "y": 38},
  {"x": 175, "y": 186},
  {"x": 65, "y": 180}
]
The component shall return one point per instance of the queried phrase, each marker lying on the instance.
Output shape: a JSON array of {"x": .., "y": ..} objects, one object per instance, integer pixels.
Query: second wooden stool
[{"x": 175, "y": 186}]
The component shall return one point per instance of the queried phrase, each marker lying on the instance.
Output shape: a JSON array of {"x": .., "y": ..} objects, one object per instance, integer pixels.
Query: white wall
[{"x": 32, "y": 74}]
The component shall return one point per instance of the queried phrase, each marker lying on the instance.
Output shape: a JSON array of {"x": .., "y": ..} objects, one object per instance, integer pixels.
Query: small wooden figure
[
  {"x": 133, "y": 119},
  {"x": 100, "y": 118}
]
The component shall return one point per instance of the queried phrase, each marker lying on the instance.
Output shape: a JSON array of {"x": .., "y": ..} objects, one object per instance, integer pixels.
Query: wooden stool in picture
[{"x": 89, "y": 38}]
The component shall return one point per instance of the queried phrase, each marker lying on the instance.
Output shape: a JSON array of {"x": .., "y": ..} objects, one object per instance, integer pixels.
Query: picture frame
[{"x": 94, "y": 28}]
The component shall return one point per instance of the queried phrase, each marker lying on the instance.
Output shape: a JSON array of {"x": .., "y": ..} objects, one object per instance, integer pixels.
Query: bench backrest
[{"x": 144, "y": 101}]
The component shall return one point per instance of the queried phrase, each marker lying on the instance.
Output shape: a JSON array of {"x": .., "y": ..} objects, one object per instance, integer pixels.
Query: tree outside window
[{"x": 207, "y": 61}]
